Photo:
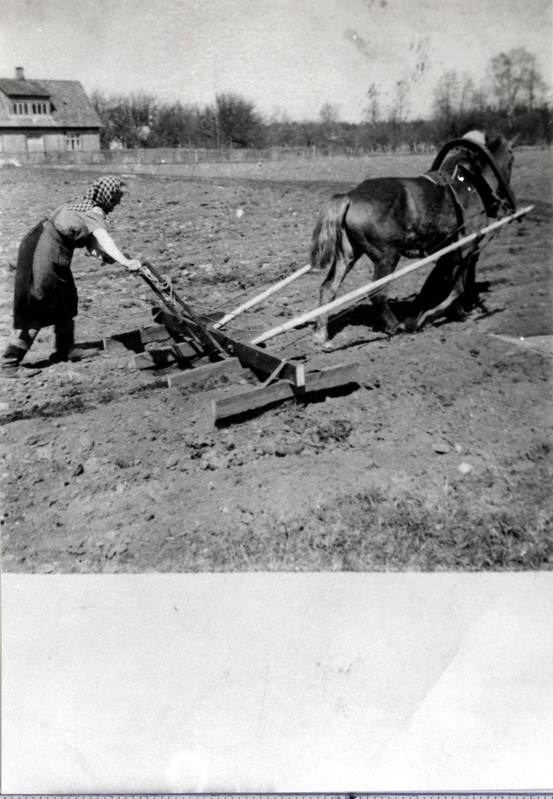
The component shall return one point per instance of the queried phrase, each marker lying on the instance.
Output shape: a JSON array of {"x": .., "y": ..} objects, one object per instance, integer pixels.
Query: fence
[
  {"x": 147, "y": 159},
  {"x": 144, "y": 157}
]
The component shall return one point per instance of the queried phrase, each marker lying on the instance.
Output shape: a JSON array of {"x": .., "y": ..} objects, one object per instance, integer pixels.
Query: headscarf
[{"x": 103, "y": 193}]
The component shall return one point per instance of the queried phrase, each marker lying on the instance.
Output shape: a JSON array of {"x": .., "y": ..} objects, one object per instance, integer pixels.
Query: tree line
[{"x": 512, "y": 99}]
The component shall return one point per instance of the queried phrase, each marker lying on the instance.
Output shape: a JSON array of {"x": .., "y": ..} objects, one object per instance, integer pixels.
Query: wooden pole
[
  {"x": 368, "y": 288},
  {"x": 260, "y": 297}
]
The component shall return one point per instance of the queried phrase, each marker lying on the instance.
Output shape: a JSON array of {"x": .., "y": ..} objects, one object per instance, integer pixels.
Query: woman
[{"x": 45, "y": 292}]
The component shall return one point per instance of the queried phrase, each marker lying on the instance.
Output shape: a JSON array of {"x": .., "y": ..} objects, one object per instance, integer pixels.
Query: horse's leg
[
  {"x": 345, "y": 259},
  {"x": 435, "y": 291},
  {"x": 470, "y": 294},
  {"x": 384, "y": 265},
  {"x": 448, "y": 290}
]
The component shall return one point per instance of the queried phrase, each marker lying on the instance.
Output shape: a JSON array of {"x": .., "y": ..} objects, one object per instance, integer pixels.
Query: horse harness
[
  {"x": 470, "y": 172},
  {"x": 441, "y": 179}
]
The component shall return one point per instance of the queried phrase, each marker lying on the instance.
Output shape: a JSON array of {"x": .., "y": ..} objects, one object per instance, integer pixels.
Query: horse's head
[{"x": 501, "y": 150}]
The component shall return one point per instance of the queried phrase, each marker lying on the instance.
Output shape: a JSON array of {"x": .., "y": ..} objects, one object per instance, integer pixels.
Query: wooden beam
[
  {"x": 152, "y": 333},
  {"x": 175, "y": 323},
  {"x": 200, "y": 375},
  {"x": 369, "y": 288},
  {"x": 136, "y": 339},
  {"x": 260, "y": 359},
  {"x": 323, "y": 380},
  {"x": 332, "y": 377},
  {"x": 255, "y": 358},
  {"x": 165, "y": 356},
  {"x": 177, "y": 306},
  {"x": 263, "y": 296},
  {"x": 252, "y": 400}
]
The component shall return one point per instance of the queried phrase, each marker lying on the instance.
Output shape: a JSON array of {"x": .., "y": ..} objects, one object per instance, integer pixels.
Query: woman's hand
[{"x": 134, "y": 265}]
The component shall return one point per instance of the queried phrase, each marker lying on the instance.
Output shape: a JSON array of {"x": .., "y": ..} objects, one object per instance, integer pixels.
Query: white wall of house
[
  {"x": 13, "y": 143},
  {"x": 48, "y": 141}
]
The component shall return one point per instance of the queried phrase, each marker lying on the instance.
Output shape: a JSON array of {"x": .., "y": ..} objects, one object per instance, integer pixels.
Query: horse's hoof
[
  {"x": 458, "y": 315},
  {"x": 410, "y": 325},
  {"x": 421, "y": 320},
  {"x": 393, "y": 330}
]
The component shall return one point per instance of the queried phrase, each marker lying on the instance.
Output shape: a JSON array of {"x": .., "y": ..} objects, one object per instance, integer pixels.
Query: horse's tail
[{"x": 326, "y": 240}]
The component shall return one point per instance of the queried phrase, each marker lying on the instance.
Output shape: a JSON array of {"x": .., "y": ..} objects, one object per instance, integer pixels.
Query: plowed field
[{"x": 439, "y": 459}]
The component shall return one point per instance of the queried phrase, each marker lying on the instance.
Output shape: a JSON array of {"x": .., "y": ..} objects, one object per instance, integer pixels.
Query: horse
[{"x": 386, "y": 218}]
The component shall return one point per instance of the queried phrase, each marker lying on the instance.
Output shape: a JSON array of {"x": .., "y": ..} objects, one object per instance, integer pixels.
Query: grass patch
[{"x": 370, "y": 531}]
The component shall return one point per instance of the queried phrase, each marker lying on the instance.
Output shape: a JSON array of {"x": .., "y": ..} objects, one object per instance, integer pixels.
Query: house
[{"x": 46, "y": 116}]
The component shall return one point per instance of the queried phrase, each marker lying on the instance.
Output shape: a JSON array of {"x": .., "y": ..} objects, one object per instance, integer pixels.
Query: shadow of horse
[{"x": 367, "y": 315}]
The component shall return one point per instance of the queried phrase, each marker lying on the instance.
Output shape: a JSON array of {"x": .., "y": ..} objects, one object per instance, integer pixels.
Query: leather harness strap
[
  {"x": 472, "y": 149},
  {"x": 439, "y": 179},
  {"x": 491, "y": 201}
]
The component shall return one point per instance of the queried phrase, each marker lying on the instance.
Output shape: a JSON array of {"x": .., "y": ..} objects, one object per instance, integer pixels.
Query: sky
[{"x": 288, "y": 57}]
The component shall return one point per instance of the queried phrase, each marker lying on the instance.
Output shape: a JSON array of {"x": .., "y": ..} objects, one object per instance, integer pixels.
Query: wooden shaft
[
  {"x": 178, "y": 306},
  {"x": 260, "y": 297},
  {"x": 368, "y": 288}
]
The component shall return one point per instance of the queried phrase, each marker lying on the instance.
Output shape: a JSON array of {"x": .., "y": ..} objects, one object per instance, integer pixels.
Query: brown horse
[{"x": 386, "y": 218}]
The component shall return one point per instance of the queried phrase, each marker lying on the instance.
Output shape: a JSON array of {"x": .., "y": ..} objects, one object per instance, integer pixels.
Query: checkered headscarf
[{"x": 101, "y": 193}]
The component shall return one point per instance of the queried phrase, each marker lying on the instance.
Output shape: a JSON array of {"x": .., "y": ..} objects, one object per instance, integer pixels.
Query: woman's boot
[{"x": 10, "y": 360}]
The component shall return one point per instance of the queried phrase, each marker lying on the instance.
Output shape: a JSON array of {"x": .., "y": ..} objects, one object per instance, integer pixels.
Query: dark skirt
[{"x": 45, "y": 292}]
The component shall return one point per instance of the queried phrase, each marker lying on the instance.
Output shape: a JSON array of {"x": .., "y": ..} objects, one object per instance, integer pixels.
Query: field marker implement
[{"x": 182, "y": 337}]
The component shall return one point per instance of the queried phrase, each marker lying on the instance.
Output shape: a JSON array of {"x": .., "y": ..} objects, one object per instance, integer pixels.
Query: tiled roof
[
  {"x": 72, "y": 108},
  {"x": 22, "y": 88}
]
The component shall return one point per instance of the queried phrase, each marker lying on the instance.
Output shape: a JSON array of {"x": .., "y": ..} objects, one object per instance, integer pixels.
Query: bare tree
[
  {"x": 237, "y": 123},
  {"x": 329, "y": 114},
  {"x": 516, "y": 80},
  {"x": 372, "y": 111},
  {"x": 128, "y": 119},
  {"x": 400, "y": 103},
  {"x": 330, "y": 118},
  {"x": 446, "y": 97},
  {"x": 467, "y": 93}
]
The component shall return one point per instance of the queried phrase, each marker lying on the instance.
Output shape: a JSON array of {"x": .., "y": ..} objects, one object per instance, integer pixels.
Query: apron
[{"x": 45, "y": 292}]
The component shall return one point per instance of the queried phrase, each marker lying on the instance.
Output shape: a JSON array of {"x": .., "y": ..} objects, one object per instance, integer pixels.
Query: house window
[
  {"x": 19, "y": 107},
  {"x": 73, "y": 141}
]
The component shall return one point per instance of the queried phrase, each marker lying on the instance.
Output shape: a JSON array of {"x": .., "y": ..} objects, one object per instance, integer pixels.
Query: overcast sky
[{"x": 287, "y": 56}]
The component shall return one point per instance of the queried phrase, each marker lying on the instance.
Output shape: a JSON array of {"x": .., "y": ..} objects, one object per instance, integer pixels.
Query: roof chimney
[{"x": 19, "y": 74}]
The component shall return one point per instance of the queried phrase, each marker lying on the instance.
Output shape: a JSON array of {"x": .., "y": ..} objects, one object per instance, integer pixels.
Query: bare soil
[{"x": 439, "y": 459}]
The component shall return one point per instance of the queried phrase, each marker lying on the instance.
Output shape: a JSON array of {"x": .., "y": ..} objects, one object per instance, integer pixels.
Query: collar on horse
[{"x": 492, "y": 200}]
